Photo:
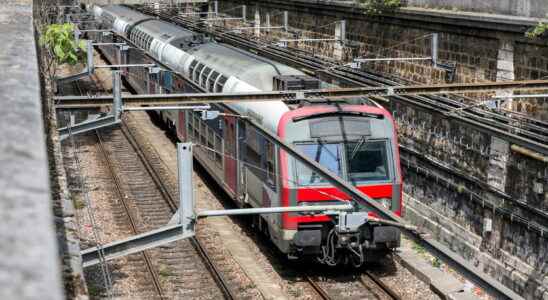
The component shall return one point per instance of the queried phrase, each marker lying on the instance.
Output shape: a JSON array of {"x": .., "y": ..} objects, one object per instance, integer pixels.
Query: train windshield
[
  {"x": 367, "y": 161},
  {"x": 356, "y": 161},
  {"x": 328, "y": 155}
]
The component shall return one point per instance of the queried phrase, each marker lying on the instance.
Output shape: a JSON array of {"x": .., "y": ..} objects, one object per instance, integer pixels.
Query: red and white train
[{"x": 356, "y": 141}]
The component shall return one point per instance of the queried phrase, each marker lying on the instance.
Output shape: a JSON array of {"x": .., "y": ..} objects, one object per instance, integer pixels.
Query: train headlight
[{"x": 386, "y": 202}]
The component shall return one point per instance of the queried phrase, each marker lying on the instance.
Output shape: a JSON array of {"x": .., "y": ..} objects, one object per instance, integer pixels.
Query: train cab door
[{"x": 230, "y": 162}]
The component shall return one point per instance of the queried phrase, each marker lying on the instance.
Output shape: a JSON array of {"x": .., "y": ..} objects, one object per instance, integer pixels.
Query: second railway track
[
  {"x": 181, "y": 269},
  {"x": 189, "y": 269}
]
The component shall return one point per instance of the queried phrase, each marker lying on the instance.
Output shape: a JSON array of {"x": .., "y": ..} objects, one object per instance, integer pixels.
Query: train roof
[
  {"x": 248, "y": 67},
  {"x": 164, "y": 31},
  {"x": 129, "y": 15}
]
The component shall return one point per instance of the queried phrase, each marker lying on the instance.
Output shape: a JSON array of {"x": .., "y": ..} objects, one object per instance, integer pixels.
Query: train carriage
[{"x": 358, "y": 142}]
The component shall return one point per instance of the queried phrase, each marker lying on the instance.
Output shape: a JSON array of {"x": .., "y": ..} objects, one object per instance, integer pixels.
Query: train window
[
  {"x": 328, "y": 155},
  {"x": 196, "y": 127},
  {"x": 253, "y": 156},
  {"x": 367, "y": 160},
  {"x": 218, "y": 151},
  {"x": 197, "y": 72},
  {"x": 210, "y": 142},
  {"x": 190, "y": 131},
  {"x": 270, "y": 164},
  {"x": 220, "y": 84},
  {"x": 211, "y": 81},
  {"x": 205, "y": 74},
  {"x": 191, "y": 69},
  {"x": 334, "y": 126},
  {"x": 203, "y": 133}
]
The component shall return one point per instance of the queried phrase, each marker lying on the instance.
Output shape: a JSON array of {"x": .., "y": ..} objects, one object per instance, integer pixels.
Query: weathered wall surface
[
  {"x": 68, "y": 252},
  {"x": 29, "y": 266},
  {"x": 459, "y": 179},
  {"x": 524, "y": 8}
]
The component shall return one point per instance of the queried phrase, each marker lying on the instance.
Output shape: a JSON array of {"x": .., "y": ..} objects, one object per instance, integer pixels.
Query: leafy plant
[
  {"x": 537, "y": 31},
  {"x": 59, "y": 39},
  {"x": 418, "y": 248},
  {"x": 436, "y": 262},
  {"x": 377, "y": 7}
]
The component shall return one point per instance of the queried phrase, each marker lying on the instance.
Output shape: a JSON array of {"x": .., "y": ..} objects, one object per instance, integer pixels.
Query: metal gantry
[{"x": 339, "y": 94}]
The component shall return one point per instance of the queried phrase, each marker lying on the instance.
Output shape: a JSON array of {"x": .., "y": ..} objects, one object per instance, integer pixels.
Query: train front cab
[{"x": 356, "y": 142}]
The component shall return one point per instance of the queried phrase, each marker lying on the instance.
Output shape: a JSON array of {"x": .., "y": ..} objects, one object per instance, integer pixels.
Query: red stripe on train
[
  {"x": 331, "y": 193},
  {"x": 324, "y": 194}
]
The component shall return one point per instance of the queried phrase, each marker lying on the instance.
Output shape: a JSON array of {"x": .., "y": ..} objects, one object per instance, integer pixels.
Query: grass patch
[{"x": 78, "y": 202}]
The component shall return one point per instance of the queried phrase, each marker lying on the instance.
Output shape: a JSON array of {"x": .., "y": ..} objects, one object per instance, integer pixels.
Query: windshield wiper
[
  {"x": 357, "y": 147},
  {"x": 338, "y": 113}
]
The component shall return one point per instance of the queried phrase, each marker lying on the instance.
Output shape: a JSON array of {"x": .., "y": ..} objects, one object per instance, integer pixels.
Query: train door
[
  {"x": 181, "y": 126},
  {"x": 231, "y": 168},
  {"x": 242, "y": 154}
]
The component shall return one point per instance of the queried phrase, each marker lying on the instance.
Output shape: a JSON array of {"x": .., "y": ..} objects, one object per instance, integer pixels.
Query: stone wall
[
  {"x": 523, "y": 8},
  {"x": 488, "y": 203}
]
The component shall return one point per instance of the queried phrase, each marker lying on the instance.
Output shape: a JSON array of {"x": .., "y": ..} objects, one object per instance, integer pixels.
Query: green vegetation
[
  {"x": 59, "y": 39},
  {"x": 537, "y": 31},
  {"x": 377, "y": 7},
  {"x": 418, "y": 248},
  {"x": 436, "y": 262},
  {"x": 78, "y": 203},
  {"x": 165, "y": 272},
  {"x": 94, "y": 291}
]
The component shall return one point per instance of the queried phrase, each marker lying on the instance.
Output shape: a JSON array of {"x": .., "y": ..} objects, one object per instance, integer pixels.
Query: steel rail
[
  {"x": 132, "y": 222},
  {"x": 385, "y": 288},
  {"x": 317, "y": 288},
  {"x": 217, "y": 275}
]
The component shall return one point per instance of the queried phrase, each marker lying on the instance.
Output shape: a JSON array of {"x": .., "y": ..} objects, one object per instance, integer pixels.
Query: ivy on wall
[
  {"x": 537, "y": 31},
  {"x": 377, "y": 7}
]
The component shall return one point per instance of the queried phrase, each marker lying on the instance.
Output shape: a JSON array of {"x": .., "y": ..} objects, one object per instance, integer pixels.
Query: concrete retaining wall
[{"x": 29, "y": 261}]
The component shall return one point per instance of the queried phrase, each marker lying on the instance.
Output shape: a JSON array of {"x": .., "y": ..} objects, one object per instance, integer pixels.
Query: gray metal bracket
[
  {"x": 113, "y": 118},
  {"x": 339, "y": 35},
  {"x": 357, "y": 62}
]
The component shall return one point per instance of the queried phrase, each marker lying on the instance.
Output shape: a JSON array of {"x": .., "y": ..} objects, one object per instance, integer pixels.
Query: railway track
[
  {"x": 131, "y": 219},
  {"x": 173, "y": 206},
  {"x": 185, "y": 265},
  {"x": 364, "y": 286},
  {"x": 125, "y": 159}
]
